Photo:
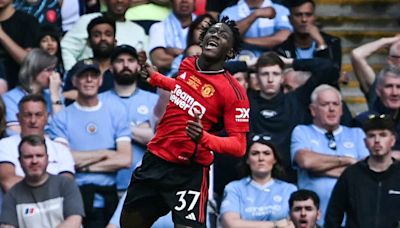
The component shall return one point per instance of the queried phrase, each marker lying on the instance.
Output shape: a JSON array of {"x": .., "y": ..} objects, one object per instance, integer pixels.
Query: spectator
[
  {"x": 49, "y": 41},
  {"x": 364, "y": 72},
  {"x": 102, "y": 40},
  {"x": 262, "y": 24},
  {"x": 41, "y": 199},
  {"x": 192, "y": 48},
  {"x": 138, "y": 104},
  {"x": 307, "y": 40},
  {"x": 239, "y": 71},
  {"x": 46, "y": 11},
  {"x": 98, "y": 136},
  {"x": 74, "y": 43},
  {"x": 147, "y": 12},
  {"x": 321, "y": 151},
  {"x": 36, "y": 76},
  {"x": 367, "y": 192},
  {"x": 304, "y": 209},
  {"x": 388, "y": 102},
  {"x": 14, "y": 41},
  {"x": 294, "y": 79},
  {"x": 71, "y": 10},
  {"x": 33, "y": 117},
  {"x": 260, "y": 198},
  {"x": 168, "y": 38},
  {"x": 275, "y": 113}
]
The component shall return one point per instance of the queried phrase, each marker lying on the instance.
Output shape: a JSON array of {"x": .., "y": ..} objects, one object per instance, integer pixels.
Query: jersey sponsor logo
[
  {"x": 268, "y": 113},
  {"x": 207, "y": 90},
  {"x": 91, "y": 128},
  {"x": 186, "y": 102},
  {"x": 242, "y": 114},
  {"x": 194, "y": 82}
]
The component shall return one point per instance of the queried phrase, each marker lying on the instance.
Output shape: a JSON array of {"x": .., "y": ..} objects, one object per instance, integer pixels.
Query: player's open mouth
[{"x": 211, "y": 44}]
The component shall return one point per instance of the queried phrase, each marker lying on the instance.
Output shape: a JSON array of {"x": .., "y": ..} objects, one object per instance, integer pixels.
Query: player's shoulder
[{"x": 232, "y": 88}]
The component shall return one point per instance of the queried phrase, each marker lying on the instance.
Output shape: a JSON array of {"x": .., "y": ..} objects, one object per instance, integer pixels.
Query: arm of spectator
[
  {"x": 68, "y": 175},
  {"x": 161, "y": 58},
  {"x": 337, "y": 204},
  {"x": 362, "y": 70},
  {"x": 233, "y": 220},
  {"x": 269, "y": 41},
  {"x": 321, "y": 164},
  {"x": 73, "y": 221},
  {"x": 244, "y": 24},
  {"x": 8, "y": 178},
  {"x": 16, "y": 52},
  {"x": 55, "y": 88},
  {"x": 119, "y": 159},
  {"x": 15, "y": 128},
  {"x": 157, "y": 79},
  {"x": 142, "y": 133}
]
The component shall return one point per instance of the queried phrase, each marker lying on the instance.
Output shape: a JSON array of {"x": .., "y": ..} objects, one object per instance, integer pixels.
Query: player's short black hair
[
  {"x": 237, "y": 40},
  {"x": 303, "y": 195},
  {"x": 100, "y": 20}
]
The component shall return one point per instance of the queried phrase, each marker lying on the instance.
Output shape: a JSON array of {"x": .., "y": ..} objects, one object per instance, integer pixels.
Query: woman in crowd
[
  {"x": 49, "y": 41},
  {"x": 259, "y": 199},
  {"x": 37, "y": 75}
]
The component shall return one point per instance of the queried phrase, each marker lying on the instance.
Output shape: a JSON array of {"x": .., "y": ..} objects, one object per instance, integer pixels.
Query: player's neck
[{"x": 205, "y": 65}]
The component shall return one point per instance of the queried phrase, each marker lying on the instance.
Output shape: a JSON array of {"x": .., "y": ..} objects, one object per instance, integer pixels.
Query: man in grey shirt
[{"x": 41, "y": 199}]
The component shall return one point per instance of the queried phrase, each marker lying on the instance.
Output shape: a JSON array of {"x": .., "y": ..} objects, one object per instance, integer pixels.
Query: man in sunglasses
[
  {"x": 368, "y": 192},
  {"x": 321, "y": 151}
]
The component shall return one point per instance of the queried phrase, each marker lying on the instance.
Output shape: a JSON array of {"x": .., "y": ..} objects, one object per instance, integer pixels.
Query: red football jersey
[{"x": 221, "y": 100}]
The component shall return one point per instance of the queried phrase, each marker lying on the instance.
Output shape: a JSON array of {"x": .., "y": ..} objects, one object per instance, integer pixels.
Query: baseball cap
[
  {"x": 85, "y": 65},
  {"x": 123, "y": 49},
  {"x": 379, "y": 122}
]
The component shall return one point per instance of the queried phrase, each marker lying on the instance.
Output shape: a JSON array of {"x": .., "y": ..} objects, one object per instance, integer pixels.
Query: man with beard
[
  {"x": 74, "y": 43},
  {"x": 139, "y": 105},
  {"x": 41, "y": 199},
  {"x": 102, "y": 40}
]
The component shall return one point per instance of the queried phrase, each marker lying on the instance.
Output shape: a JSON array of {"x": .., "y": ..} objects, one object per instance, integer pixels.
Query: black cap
[
  {"x": 123, "y": 49},
  {"x": 85, "y": 65},
  {"x": 379, "y": 122}
]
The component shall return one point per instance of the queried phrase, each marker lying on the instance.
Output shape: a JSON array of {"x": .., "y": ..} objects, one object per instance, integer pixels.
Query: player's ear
[{"x": 230, "y": 54}]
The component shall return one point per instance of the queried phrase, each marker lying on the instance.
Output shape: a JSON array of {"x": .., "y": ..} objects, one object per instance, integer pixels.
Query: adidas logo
[{"x": 191, "y": 216}]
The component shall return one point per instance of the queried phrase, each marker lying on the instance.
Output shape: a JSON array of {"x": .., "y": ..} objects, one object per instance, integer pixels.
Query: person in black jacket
[
  {"x": 368, "y": 192},
  {"x": 276, "y": 113},
  {"x": 307, "y": 41}
]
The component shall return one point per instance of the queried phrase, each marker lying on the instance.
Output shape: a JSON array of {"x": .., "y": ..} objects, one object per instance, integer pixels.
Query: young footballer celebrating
[{"x": 205, "y": 100}]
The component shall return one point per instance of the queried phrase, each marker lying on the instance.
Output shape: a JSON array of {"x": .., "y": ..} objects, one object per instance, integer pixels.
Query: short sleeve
[
  {"x": 299, "y": 141},
  {"x": 8, "y": 210},
  {"x": 156, "y": 36},
  {"x": 57, "y": 127},
  {"x": 73, "y": 203},
  {"x": 65, "y": 160},
  {"x": 231, "y": 200},
  {"x": 282, "y": 18}
]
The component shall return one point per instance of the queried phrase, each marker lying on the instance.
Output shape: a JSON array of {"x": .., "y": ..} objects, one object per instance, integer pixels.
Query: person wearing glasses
[
  {"x": 368, "y": 192},
  {"x": 260, "y": 198},
  {"x": 321, "y": 151}
]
